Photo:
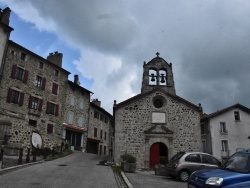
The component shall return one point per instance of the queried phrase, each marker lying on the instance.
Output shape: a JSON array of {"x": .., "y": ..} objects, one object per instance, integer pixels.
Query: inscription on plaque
[
  {"x": 36, "y": 140},
  {"x": 158, "y": 117}
]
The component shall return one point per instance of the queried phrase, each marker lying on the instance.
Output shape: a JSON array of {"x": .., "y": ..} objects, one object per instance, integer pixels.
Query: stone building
[
  {"x": 100, "y": 130},
  {"x": 156, "y": 124},
  {"x": 40, "y": 107},
  {"x": 76, "y": 112},
  {"x": 31, "y": 96}
]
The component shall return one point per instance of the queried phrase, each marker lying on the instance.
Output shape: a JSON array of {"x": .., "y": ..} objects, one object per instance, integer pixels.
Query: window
[
  {"x": 55, "y": 88},
  {"x": 56, "y": 73},
  {"x": 203, "y": 128},
  {"x": 80, "y": 122},
  {"x": 100, "y": 152},
  {"x": 50, "y": 128},
  {"x": 41, "y": 65},
  {"x": 72, "y": 100},
  {"x": 102, "y": 118},
  {"x": 209, "y": 160},
  {"x": 101, "y": 134},
  {"x": 38, "y": 82},
  {"x": 70, "y": 118},
  {"x": 32, "y": 122},
  {"x": 104, "y": 150},
  {"x": 23, "y": 56},
  {"x": 224, "y": 145},
  {"x": 105, "y": 136},
  {"x": 81, "y": 105},
  {"x": 35, "y": 103},
  {"x": 95, "y": 132},
  {"x": 162, "y": 77},
  {"x": 203, "y": 142},
  {"x": 19, "y": 74},
  {"x": 193, "y": 158},
  {"x": 223, "y": 127},
  {"x": 152, "y": 77},
  {"x": 52, "y": 109},
  {"x": 15, "y": 97},
  {"x": 237, "y": 115},
  {"x": 96, "y": 114},
  {"x": 106, "y": 120}
]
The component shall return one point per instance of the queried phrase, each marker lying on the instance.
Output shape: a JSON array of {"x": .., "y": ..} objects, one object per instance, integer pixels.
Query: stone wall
[
  {"x": 132, "y": 119},
  {"x": 19, "y": 116}
]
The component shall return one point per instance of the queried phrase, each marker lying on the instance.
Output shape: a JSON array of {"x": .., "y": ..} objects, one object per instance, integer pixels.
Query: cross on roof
[{"x": 157, "y": 54}]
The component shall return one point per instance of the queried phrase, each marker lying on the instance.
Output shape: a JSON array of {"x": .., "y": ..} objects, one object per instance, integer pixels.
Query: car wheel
[{"x": 183, "y": 175}]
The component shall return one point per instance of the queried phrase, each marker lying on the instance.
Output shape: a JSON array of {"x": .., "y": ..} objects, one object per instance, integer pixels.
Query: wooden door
[{"x": 154, "y": 155}]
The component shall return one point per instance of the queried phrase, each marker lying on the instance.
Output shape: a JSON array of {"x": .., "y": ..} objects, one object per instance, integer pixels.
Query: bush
[{"x": 128, "y": 158}]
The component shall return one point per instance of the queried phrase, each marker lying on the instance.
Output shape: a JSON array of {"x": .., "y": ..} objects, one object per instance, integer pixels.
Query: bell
[
  {"x": 153, "y": 77},
  {"x": 162, "y": 78}
]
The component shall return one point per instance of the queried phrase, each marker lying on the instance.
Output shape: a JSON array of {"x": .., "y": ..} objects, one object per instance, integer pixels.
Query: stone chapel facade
[{"x": 156, "y": 124}]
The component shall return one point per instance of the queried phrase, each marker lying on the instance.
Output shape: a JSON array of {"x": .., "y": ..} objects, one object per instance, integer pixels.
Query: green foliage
[{"x": 128, "y": 158}]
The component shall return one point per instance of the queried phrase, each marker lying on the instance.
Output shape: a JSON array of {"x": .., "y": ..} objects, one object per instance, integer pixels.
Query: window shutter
[
  {"x": 13, "y": 73},
  {"x": 21, "y": 99},
  {"x": 9, "y": 95},
  {"x": 54, "y": 88},
  {"x": 40, "y": 105},
  {"x": 48, "y": 105},
  {"x": 43, "y": 83},
  {"x": 50, "y": 128},
  {"x": 30, "y": 102},
  {"x": 56, "y": 110},
  {"x": 26, "y": 75}
]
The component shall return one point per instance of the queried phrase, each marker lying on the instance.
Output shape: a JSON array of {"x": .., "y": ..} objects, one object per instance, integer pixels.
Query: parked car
[
  {"x": 234, "y": 173},
  {"x": 182, "y": 164}
]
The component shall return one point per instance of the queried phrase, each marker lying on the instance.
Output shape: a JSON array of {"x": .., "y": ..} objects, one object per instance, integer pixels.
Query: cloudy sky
[{"x": 106, "y": 43}]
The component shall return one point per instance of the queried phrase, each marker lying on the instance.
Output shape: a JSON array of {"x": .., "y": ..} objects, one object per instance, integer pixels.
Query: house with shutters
[
  {"x": 40, "y": 107},
  {"x": 157, "y": 123},
  {"x": 226, "y": 131}
]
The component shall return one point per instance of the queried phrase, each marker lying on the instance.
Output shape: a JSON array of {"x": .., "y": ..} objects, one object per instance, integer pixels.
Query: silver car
[{"x": 182, "y": 164}]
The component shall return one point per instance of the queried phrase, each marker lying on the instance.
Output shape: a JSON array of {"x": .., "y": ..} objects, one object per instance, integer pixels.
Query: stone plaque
[
  {"x": 158, "y": 117},
  {"x": 36, "y": 140}
]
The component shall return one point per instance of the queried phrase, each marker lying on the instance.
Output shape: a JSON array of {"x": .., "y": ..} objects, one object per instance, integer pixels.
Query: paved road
[
  {"x": 76, "y": 171},
  {"x": 147, "y": 179}
]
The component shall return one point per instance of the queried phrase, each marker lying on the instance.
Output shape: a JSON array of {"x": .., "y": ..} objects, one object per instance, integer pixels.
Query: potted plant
[
  {"x": 128, "y": 163},
  {"x": 160, "y": 170}
]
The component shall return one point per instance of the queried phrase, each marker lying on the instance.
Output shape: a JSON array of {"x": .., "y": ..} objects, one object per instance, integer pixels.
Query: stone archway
[{"x": 158, "y": 154}]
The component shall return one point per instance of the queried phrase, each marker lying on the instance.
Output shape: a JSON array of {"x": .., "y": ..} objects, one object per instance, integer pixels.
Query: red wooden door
[{"x": 154, "y": 155}]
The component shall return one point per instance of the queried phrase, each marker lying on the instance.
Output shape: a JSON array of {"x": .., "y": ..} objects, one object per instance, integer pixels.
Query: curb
[
  {"x": 9, "y": 169},
  {"x": 126, "y": 180}
]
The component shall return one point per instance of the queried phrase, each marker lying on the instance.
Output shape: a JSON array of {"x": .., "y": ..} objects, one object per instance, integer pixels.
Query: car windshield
[
  {"x": 177, "y": 156},
  {"x": 239, "y": 162}
]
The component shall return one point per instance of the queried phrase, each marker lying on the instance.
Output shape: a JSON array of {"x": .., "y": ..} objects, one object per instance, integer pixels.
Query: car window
[
  {"x": 177, "y": 156},
  {"x": 239, "y": 162},
  {"x": 209, "y": 159},
  {"x": 193, "y": 158}
]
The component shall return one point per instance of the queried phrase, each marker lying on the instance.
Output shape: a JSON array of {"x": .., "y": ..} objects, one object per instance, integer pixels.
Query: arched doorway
[{"x": 158, "y": 154}]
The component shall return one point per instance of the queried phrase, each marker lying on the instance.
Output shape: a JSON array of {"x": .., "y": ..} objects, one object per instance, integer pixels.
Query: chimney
[
  {"x": 76, "y": 80},
  {"x": 55, "y": 58},
  {"x": 97, "y": 102},
  {"x": 5, "y": 16}
]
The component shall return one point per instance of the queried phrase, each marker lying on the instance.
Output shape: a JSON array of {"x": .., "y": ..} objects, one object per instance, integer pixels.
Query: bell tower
[{"x": 157, "y": 73}]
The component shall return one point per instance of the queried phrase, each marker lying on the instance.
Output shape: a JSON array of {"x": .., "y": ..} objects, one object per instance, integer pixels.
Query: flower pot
[{"x": 128, "y": 167}]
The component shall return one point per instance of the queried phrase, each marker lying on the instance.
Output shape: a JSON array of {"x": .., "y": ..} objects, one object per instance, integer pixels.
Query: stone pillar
[{"x": 146, "y": 155}]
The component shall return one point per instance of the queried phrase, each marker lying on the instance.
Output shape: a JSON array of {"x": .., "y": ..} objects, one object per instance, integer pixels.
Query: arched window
[
  {"x": 162, "y": 77},
  {"x": 152, "y": 77}
]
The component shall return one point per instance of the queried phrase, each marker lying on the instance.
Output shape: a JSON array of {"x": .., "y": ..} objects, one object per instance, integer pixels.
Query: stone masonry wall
[{"x": 132, "y": 120}]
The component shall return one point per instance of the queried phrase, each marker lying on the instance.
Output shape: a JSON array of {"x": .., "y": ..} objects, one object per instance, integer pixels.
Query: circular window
[{"x": 158, "y": 103}]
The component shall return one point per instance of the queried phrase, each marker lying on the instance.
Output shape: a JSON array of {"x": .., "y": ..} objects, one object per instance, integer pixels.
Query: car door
[
  {"x": 193, "y": 162},
  {"x": 209, "y": 162}
]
